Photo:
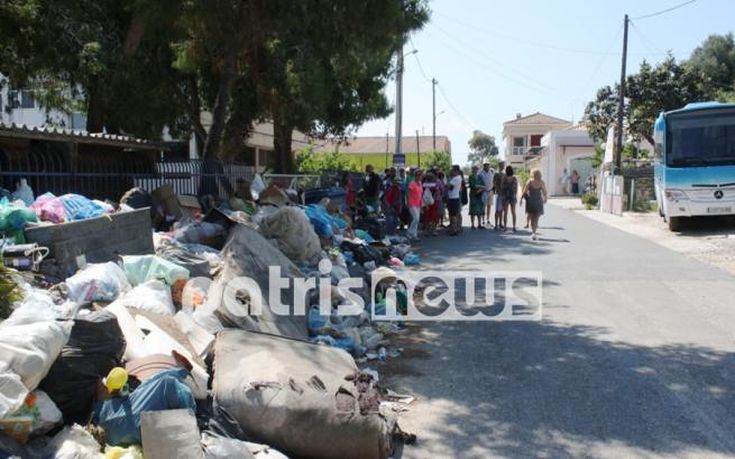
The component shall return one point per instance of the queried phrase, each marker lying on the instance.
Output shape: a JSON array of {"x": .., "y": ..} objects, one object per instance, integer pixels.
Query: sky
[{"x": 496, "y": 58}]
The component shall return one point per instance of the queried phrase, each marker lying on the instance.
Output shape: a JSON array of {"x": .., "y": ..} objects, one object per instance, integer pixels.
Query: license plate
[{"x": 719, "y": 210}]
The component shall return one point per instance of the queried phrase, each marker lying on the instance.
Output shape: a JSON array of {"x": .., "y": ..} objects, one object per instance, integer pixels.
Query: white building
[
  {"x": 523, "y": 136},
  {"x": 21, "y": 108},
  {"x": 562, "y": 152}
]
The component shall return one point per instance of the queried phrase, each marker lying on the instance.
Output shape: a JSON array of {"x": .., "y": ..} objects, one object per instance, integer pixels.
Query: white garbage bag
[
  {"x": 75, "y": 443},
  {"x": 152, "y": 296},
  {"x": 27, "y": 351},
  {"x": 97, "y": 282},
  {"x": 293, "y": 233}
]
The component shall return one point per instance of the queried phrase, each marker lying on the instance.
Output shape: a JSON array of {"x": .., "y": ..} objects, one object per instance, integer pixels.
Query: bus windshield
[{"x": 701, "y": 138}]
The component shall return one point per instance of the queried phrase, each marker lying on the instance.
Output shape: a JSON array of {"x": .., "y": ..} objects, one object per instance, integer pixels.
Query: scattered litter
[{"x": 97, "y": 282}]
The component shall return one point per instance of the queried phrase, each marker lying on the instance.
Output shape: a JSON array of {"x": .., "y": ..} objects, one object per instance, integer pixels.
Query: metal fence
[{"x": 108, "y": 177}]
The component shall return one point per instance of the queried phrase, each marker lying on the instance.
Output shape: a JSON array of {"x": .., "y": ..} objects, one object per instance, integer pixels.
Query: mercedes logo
[{"x": 718, "y": 194}]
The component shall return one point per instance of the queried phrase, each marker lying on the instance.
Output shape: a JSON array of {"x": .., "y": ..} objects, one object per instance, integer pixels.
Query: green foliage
[
  {"x": 631, "y": 151},
  {"x": 590, "y": 200},
  {"x": 601, "y": 113},
  {"x": 437, "y": 159},
  {"x": 523, "y": 176},
  {"x": 667, "y": 86},
  {"x": 714, "y": 62},
  {"x": 9, "y": 291},
  {"x": 599, "y": 156},
  {"x": 482, "y": 148},
  {"x": 708, "y": 74},
  {"x": 309, "y": 162},
  {"x": 139, "y": 65}
]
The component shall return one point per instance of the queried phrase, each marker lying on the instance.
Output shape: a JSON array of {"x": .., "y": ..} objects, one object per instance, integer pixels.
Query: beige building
[
  {"x": 378, "y": 150},
  {"x": 523, "y": 136}
]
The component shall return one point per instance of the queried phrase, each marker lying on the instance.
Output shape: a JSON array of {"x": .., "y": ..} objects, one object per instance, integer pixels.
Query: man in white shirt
[
  {"x": 487, "y": 197},
  {"x": 454, "y": 204}
]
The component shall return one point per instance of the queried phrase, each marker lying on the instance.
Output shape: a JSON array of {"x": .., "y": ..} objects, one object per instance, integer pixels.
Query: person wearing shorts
[
  {"x": 499, "y": 204},
  {"x": 454, "y": 204}
]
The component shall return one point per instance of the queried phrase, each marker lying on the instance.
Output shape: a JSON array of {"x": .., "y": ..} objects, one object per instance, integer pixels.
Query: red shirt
[{"x": 415, "y": 190}]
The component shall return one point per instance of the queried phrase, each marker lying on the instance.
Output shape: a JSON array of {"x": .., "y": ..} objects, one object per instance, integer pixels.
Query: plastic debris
[{"x": 97, "y": 282}]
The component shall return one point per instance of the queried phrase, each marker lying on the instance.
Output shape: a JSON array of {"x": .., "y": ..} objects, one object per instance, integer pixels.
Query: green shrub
[
  {"x": 9, "y": 291},
  {"x": 589, "y": 200}
]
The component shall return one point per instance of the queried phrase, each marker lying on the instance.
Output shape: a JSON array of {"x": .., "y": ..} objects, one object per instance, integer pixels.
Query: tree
[
  {"x": 714, "y": 62},
  {"x": 309, "y": 162},
  {"x": 667, "y": 86},
  {"x": 108, "y": 57},
  {"x": 601, "y": 113},
  {"x": 439, "y": 160},
  {"x": 328, "y": 68},
  {"x": 141, "y": 65},
  {"x": 482, "y": 148}
]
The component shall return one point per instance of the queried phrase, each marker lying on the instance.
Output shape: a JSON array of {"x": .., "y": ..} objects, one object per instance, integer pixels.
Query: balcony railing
[{"x": 525, "y": 151}]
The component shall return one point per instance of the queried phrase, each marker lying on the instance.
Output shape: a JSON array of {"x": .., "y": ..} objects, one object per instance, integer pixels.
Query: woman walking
[
  {"x": 510, "y": 197},
  {"x": 536, "y": 196},
  {"x": 477, "y": 205},
  {"x": 414, "y": 195}
]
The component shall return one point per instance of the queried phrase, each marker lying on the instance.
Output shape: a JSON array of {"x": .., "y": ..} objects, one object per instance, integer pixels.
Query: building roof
[
  {"x": 21, "y": 131},
  {"x": 537, "y": 118},
  {"x": 379, "y": 144}
]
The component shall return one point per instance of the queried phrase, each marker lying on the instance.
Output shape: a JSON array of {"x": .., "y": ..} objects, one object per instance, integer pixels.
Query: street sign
[{"x": 399, "y": 160}]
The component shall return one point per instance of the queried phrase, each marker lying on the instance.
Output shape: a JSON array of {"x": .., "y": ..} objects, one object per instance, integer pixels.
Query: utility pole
[
  {"x": 387, "y": 149},
  {"x": 433, "y": 113},
  {"x": 621, "y": 102},
  {"x": 418, "y": 149},
  {"x": 398, "y": 159}
]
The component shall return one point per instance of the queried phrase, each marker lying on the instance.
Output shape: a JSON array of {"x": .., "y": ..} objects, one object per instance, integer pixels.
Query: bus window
[{"x": 701, "y": 139}]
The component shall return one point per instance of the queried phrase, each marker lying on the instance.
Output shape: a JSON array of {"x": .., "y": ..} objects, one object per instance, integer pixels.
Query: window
[
  {"x": 536, "y": 140},
  {"x": 21, "y": 99},
  {"x": 701, "y": 138},
  {"x": 27, "y": 100},
  {"x": 519, "y": 141}
]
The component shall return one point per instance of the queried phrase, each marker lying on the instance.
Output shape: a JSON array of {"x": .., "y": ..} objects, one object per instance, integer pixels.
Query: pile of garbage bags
[{"x": 190, "y": 350}]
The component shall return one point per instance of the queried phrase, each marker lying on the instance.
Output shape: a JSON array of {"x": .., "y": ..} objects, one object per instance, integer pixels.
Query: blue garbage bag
[
  {"x": 120, "y": 416},
  {"x": 320, "y": 220},
  {"x": 346, "y": 343},
  {"x": 316, "y": 321},
  {"x": 411, "y": 259},
  {"x": 79, "y": 207}
]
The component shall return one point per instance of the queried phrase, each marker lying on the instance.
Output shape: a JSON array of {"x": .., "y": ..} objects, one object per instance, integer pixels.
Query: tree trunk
[
  {"x": 282, "y": 136},
  {"x": 95, "y": 111},
  {"x": 221, "y": 105}
]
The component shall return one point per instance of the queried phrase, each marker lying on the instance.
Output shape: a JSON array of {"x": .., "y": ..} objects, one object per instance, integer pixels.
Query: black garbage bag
[
  {"x": 363, "y": 253},
  {"x": 96, "y": 346},
  {"x": 137, "y": 198}
]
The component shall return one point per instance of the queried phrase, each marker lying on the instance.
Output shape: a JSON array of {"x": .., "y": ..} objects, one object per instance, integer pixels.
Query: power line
[
  {"x": 643, "y": 38},
  {"x": 524, "y": 41},
  {"x": 418, "y": 61},
  {"x": 534, "y": 85},
  {"x": 454, "y": 109},
  {"x": 658, "y": 13}
]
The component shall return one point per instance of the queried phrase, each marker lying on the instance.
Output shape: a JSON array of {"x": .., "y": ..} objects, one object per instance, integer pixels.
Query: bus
[{"x": 694, "y": 162}]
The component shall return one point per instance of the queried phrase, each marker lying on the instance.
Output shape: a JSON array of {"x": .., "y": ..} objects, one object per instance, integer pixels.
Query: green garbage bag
[{"x": 13, "y": 220}]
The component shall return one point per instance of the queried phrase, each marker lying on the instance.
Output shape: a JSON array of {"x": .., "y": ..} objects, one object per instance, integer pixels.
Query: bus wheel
[{"x": 675, "y": 224}]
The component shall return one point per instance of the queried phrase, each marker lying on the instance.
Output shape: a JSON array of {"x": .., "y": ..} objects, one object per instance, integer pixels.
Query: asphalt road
[{"x": 634, "y": 357}]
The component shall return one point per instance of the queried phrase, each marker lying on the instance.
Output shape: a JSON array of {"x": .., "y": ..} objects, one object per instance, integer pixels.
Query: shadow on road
[
  {"x": 707, "y": 226},
  {"x": 539, "y": 389}
]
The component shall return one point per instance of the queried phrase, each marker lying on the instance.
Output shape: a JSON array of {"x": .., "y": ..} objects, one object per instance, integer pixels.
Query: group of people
[{"x": 419, "y": 199}]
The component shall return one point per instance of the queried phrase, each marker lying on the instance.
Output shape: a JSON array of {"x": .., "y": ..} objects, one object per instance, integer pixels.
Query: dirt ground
[{"x": 707, "y": 239}]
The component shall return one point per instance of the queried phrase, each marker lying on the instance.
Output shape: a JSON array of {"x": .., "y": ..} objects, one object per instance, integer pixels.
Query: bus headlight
[{"x": 675, "y": 195}]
